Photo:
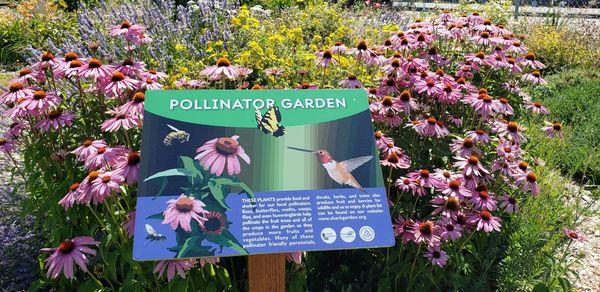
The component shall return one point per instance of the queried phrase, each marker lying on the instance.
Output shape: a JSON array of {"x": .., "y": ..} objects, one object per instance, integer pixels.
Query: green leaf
[
  {"x": 227, "y": 239},
  {"x": 216, "y": 190},
  {"x": 170, "y": 172},
  {"x": 235, "y": 183},
  {"x": 191, "y": 165},
  {"x": 540, "y": 287},
  {"x": 192, "y": 248}
]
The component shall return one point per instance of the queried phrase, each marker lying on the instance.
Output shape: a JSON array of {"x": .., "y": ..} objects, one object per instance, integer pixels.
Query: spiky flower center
[
  {"x": 14, "y": 87},
  {"x": 452, "y": 203},
  {"x": 503, "y": 100},
  {"x": 92, "y": 176},
  {"x": 487, "y": 99},
  {"x": 24, "y": 72},
  {"x": 530, "y": 57},
  {"x": 432, "y": 51},
  {"x": 531, "y": 177},
  {"x": 390, "y": 82},
  {"x": 66, "y": 246},
  {"x": 70, "y": 56},
  {"x": 139, "y": 97},
  {"x": 468, "y": 143},
  {"x": 536, "y": 74},
  {"x": 74, "y": 187},
  {"x": 94, "y": 63},
  {"x": 421, "y": 38},
  {"x": 393, "y": 158},
  {"x": 39, "y": 94},
  {"x": 54, "y": 114},
  {"x": 431, "y": 121},
  {"x": 387, "y": 101},
  {"x": 184, "y": 204},
  {"x": 133, "y": 158},
  {"x": 75, "y": 64},
  {"x": 556, "y": 126},
  {"x": 327, "y": 54},
  {"x": 473, "y": 160},
  {"x": 117, "y": 76},
  {"x": 106, "y": 179},
  {"x": 387, "y": 43},
  {"x": 512, "y": 127},
  {"x": 101, "y": 150},
  {"x": 47, "y": 56},
  {"x": 3, "y": 141},
  {"x": 454, "y": 184},
  {"x": 480, "y": 55},
  {"x": 125, "y": 24},
  {"x": 485, "y": 35},
  {"x": 426, "y": 228},
  {"x": 424, "y": 173},
  {"x": 484, "y": 195},
  {"x": 405, "y": 96},
  {"x": 485, "y": 215},
  {"x": 362, "y": 45},
  {"x": 523, "y": 165},
  {"x": 450, "y": 227}
]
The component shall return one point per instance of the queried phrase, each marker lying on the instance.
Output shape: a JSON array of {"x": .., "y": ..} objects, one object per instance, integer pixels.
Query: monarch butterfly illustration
[
  {"x": 269, "y": 122},
  {"x": 176, "y": 134}
]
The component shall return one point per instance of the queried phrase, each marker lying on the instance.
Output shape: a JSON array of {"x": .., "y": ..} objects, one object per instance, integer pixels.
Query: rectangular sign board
[{"x": 232, "y": 172}]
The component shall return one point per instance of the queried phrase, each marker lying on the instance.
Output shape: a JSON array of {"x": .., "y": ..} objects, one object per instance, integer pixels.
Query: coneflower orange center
[
  {"x": 226, "y": 146},
  {"x": 66, "y": 246},
  {"x": 184, "y": 204}
]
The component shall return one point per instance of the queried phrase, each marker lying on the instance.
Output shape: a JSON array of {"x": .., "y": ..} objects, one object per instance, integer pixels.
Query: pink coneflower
[
  {"x": 73, "y": 69},
  {"x": 55, "y": 119},
  {"x": 574, "y": 235},
  {"x": 483, "y": 200},
  {"x": 455, "y": 188},
  {"x": 486, "y": 221},
  {"x": 69, "y": 199},
  {"x": 426, "y": 231},
  {"x": 482, "y": 39},
  {"x": 126, "y": 29},
  {"x": 172, "y": 266},
  {"x": 396, "y": 160},
  {"x": 485, "y": 105},
  {"x": 87, "y": 148},
  {"x": 184, "y": 83},
  {"x": 106, "y": 183},
  {"x": 47, "y": 60},
  {"x": 63, "y": 64},
  {"x": 432, "y": 127},
  {"x": 447, "y": 206},
  {"x": 351, "y": 82},
  {"x": 529, "y": 60},
  {"x": 16, "y": 91},
  {"x": 94, "y": 68},
  {"x": 135, "y": 106},
  {"x": 361, "y": 51},
  {"x": 429, "y": 86},
  {"x": 26, "y": 75},
  {"x": 339, "y": 48},
  {"x": 479, "y": 136},
  {"x": 120, "y": 120},
  {"x": 325, "y": 59},
  {"x": 182, "y": 210},
  {"x": 464, "y": 147},
  {"x": 381, "y": 140},
  {"x": 388, "y": 86},
  {"x": 508, "y": 151},
  {"x": 129, "y": 224},
  {"x": 117, "y": 84},
  {"x": 274, "y": 71},
  {"x": 67, "y": 253},
  {"x": 84, "y": 194},
  {"x": 130, "y": 67},
  {"x": 393, "y": 68},
  {"x": 130, "y": 168},
  {"x": 105, "y": 156},
  {"x": 553, "y": 129},
  {"x": 444, "y": 177},
  {"x": 534, "y": 77},
  {"x": 449, "y": 230},
  {"x": 150, "y": 84},
  {"x": 221, "y": 70},
  {"x": 449, "y": 94},
  {"x": 528, "y": 182},
  {"x": 215, "y": 223},
  {"x": 512, "y": 131},
  {"x": 154, "y": 75},
  {"x": 509, "y": 204},
  {"x": 470, "y": 165},
  {"x": 306, "y": 85},
  {"x": 537, "y": 108},
  {"x": 295, "y": 256},
  {"x": 476, "y": 58},
  {"x": 40, "y": 101},
  {"x": 208, "y": 260},
  {"x": 424, "y": 178},
  {"x": 512, "y": 65},
  {"x": 436, "y": 255},
  {"x": 504, "y": 107},
  {"x": 406, "y": 102},
  {"x": 220, "y": 152}
]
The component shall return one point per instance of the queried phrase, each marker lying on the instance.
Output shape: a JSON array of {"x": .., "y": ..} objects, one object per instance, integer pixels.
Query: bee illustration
[
  {"x": 181, "y": 136},
  {"x": 153, "y": 235},
  {"x": 269, "y": 122}
]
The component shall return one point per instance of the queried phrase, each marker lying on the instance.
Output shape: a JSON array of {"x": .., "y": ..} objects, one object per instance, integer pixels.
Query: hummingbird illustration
[{"x": 339, "y": 171}]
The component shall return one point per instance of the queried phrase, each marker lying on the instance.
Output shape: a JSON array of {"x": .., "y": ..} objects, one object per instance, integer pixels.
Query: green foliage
[{"x": 572, "y": 98}]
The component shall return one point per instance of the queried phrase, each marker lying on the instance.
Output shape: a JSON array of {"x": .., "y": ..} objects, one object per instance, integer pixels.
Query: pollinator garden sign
[{"x": 227, "y": 173}]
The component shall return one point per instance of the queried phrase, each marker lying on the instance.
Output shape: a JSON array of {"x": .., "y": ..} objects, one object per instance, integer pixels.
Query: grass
[{"x": 5, "y": 77}]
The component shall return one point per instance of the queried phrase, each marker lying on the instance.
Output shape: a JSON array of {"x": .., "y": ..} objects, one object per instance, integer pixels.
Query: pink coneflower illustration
[
  {"x": 106, "y": 183},
  {"x": 447, "y": 206},
  {"x": 325, "y": 59},
  {"x": 69, "y": 252},
  {"x": 215, "y": 223},
  {"x": 486, "y": 221},
  {"x": 55, "y": 119},
  {"x": 87, "y": 148},
  {"x": 534, "y": 77},
  {"x": 509, "y": 204},
  {"x": 173, "y": 266},
  {"x": 221, "y": 70},
  {"x": 464, "y": 147},
  {"x": 16, "y": 91},
  {"x": 351, "y": 82},
  {"x": 94, "y": 68},
  {"x": 220, "y": 153},
  {"x": 426, "y": 231},
  {"x": 129, "y": 224},
  {"x": 130, "y": 168},
  {"x": 470, "y": 165},
  {"x": 295, "y": 257},
  {"x": 553, "y": 129},
  {"x": 40, "y": 101},
  {"x": 69, "y": 199},
  {"x": 449, "y": 230},
  {"x": 537, "y": 108},
  {"x": 117, "y": 84},
  {"x": 528, "y": 182},
  {"x": 120, "y": 120},
  {"x": 574, "y": 235},
  {"x": 182, "y": 210},
  {"x": 436, "y": 255}
]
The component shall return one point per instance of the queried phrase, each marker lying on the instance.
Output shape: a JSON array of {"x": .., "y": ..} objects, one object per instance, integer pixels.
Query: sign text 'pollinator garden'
[{"x": 250, "y": 172}]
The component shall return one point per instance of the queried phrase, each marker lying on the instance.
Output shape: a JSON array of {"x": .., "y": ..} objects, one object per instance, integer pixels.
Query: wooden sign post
[{"x": 266, "y": 273}]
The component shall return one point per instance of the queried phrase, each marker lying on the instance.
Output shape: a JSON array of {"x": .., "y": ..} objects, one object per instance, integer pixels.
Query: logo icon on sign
[
  {"x": 328, "y": 235},
  {"x": 347, "y": 234},
  {"x": 367, "y": 233}
]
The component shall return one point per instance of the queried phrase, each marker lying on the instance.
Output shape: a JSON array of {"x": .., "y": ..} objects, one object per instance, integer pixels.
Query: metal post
[{"x": 517, "y": 6}]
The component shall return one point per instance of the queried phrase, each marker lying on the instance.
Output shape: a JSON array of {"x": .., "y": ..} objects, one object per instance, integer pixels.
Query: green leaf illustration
[
  {"x": 227, "y": 239},
  {"x": 169, "y": 172},
  {"x": 216, "y": 190},
  {"x": 158, "y": 216},
  {"x": 192, "y": 248}
]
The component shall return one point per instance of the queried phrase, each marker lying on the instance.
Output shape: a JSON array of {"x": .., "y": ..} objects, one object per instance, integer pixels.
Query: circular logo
[
  {"x": 347, "y": 234},
  {"x": 366, "y": 233},
  {"x": 328, "y": 235}
]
